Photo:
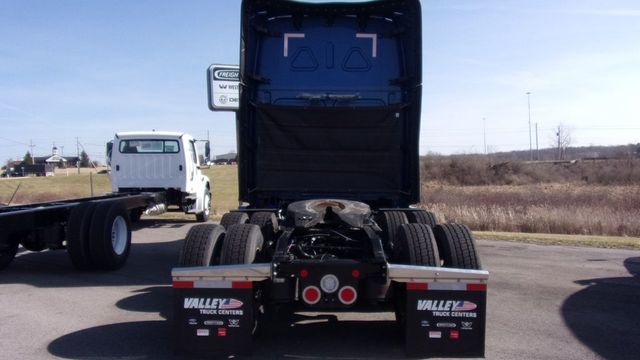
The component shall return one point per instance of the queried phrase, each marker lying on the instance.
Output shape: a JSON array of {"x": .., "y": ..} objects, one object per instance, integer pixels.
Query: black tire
[
  {"x": 416, "y": 245},
  {"x": 457, "y": 246},
  {"x": 389, "y": 221},
  {"x": 233, "y": 218},
  {"x": 110, "y": 220},
  {"x": 78, "y": 236},
  {"x": 422, "y": 217},
  {"x": 268, "y": 223},
  {"x": 204, "y": 215},
  {"x": 8, "y": 250},
  {"x": 241, "y": 243},
  {"x": 202, "y": 246}
]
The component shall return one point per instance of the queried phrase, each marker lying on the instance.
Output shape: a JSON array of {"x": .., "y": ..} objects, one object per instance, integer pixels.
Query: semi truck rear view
[{"x": 328, "y": 129}]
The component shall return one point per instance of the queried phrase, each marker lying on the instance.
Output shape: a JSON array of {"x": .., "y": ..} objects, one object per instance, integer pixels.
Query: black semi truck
[{"x": 328, "y": 130}]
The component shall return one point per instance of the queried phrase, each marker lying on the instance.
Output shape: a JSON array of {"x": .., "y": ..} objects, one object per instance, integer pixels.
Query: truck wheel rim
[
  {"x": 119, "y": 235},
  {"x": 207, "y": 204}
]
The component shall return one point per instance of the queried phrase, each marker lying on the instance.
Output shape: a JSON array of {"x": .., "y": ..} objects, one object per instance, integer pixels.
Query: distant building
[
  {"x": 57, "y": 160},
  {"x": 229, "y": 158}
]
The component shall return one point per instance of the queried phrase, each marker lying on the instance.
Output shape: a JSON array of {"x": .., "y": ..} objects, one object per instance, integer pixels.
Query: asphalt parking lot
[{"x": 545, "y": 302}]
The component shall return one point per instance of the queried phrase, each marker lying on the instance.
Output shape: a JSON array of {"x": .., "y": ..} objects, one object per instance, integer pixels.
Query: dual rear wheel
[
  {"x": 416, "y": 239},
  {"x": 99, "y": 235},
  {"x": 239, "y": 239}
]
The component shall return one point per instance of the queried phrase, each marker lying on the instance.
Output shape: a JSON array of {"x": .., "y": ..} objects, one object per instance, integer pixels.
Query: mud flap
[
  {"x": 445, "y": 319},
  {"x": 213, "y": 317}
]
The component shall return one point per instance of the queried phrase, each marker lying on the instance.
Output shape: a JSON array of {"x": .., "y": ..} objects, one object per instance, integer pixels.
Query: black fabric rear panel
[{"x": 328, "y": 150}]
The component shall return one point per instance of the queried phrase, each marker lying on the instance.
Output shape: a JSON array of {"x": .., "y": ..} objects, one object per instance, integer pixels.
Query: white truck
[
  {"x": 151, "y": 172},
  {"x": 167, "y": 162}
]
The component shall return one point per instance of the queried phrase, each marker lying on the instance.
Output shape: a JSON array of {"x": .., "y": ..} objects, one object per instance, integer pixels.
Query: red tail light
[
  {"x": 348, "y": 295},
  {"x": 311, "y": 295},
  {"x": 355, "y": 273},
  {"x": 304, "y": 273}
]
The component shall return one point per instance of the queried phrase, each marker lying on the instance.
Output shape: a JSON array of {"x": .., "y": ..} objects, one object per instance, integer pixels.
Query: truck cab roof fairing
[{"x": 330, "y": 101}]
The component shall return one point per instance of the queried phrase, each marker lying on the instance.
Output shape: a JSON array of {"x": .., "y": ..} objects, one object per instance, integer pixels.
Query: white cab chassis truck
[
  {"x": 151, "y": 171},
  {"x": 164, "y": 162}
]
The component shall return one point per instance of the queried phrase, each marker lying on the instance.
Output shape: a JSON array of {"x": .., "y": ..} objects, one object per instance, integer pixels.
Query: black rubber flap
[
  {"x": 210, "y": 322},
  {"x": 445, "y": 323}
]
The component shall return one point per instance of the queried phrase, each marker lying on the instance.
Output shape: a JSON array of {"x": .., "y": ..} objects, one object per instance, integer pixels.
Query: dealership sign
[{"x": 224, "y": 85}]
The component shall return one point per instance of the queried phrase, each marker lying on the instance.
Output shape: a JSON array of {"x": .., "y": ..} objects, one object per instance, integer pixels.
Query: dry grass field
[
  {"x": 551, "y": 208},
  {"x": 548, "y": 208}
]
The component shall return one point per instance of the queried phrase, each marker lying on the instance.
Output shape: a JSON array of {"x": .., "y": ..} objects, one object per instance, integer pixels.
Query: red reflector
[
  {"x": 311, "y": 295},
  {"x": 222, "y": 331},
  {"x": 417, "y": 286},
  {"x": 476, "y": 287},
  {"x": 347, "y": 295},
  {"x": 241, "y": 285},
  {"x": 454, "y": 335},
  {"x": 183, "y": 284},
  {"x": 304, "y": 273},
  {"x": 355, "y": 273}
]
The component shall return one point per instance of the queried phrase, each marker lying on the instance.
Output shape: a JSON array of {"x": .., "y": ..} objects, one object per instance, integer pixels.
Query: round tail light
[
  {"x": 311, "y": 295},
  {"x": 348, "y": 295}
]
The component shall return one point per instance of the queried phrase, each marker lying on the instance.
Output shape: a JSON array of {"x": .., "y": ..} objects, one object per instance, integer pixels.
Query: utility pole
[
  {"x": 484, "y": 134},
  {"x": 31, "y": 146},
  {"x": 559, "y": 149},
  {"x": 78, "y": 152},
  {"x": 537, "y": 148},
  {"x": 529, "y": 108}
]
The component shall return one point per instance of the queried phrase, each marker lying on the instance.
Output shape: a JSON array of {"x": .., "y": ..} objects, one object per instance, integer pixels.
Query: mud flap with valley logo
[
  {"x": 213, "y": 317},
  {"x": 445, "y": 319}
]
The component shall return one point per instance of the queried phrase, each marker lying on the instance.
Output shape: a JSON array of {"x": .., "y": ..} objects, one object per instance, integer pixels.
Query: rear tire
[
  {"x": 233, "y": 218},
  {"x": 422, "y": 217},
  {"x": 457, "y": 246},
  {"x": 416, "y": 245},
  {"x": 241, "y": 243},
  {"x": 204, "y": 215},
  {"x": 78, "y": 236},
  {"x": 268, "y": 223},
  {"x": 389, "y": 221},
  {"x": 110, "y": 236},
  {"x": 202, "y": 246}
]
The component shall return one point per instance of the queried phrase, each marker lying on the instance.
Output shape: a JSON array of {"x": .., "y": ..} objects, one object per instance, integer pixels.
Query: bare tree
[{"x": 562, "y": 140}]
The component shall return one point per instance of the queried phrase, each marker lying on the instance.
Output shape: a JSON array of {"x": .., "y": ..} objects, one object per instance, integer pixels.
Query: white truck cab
[{"x": 161, "y": 161}]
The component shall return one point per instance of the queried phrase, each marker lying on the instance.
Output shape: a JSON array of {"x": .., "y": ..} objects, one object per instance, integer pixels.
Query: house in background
[{"x": 57, "y": 160}]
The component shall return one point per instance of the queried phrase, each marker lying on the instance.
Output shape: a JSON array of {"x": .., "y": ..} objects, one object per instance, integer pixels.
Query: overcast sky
[{"x": 86, "y": 69}]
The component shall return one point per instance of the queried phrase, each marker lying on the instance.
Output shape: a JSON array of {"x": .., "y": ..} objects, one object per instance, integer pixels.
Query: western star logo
[
  {"x": 227, "y": 74},
  {"x": 212, "y": 303},
  {"x": 446, "y": 305}
]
